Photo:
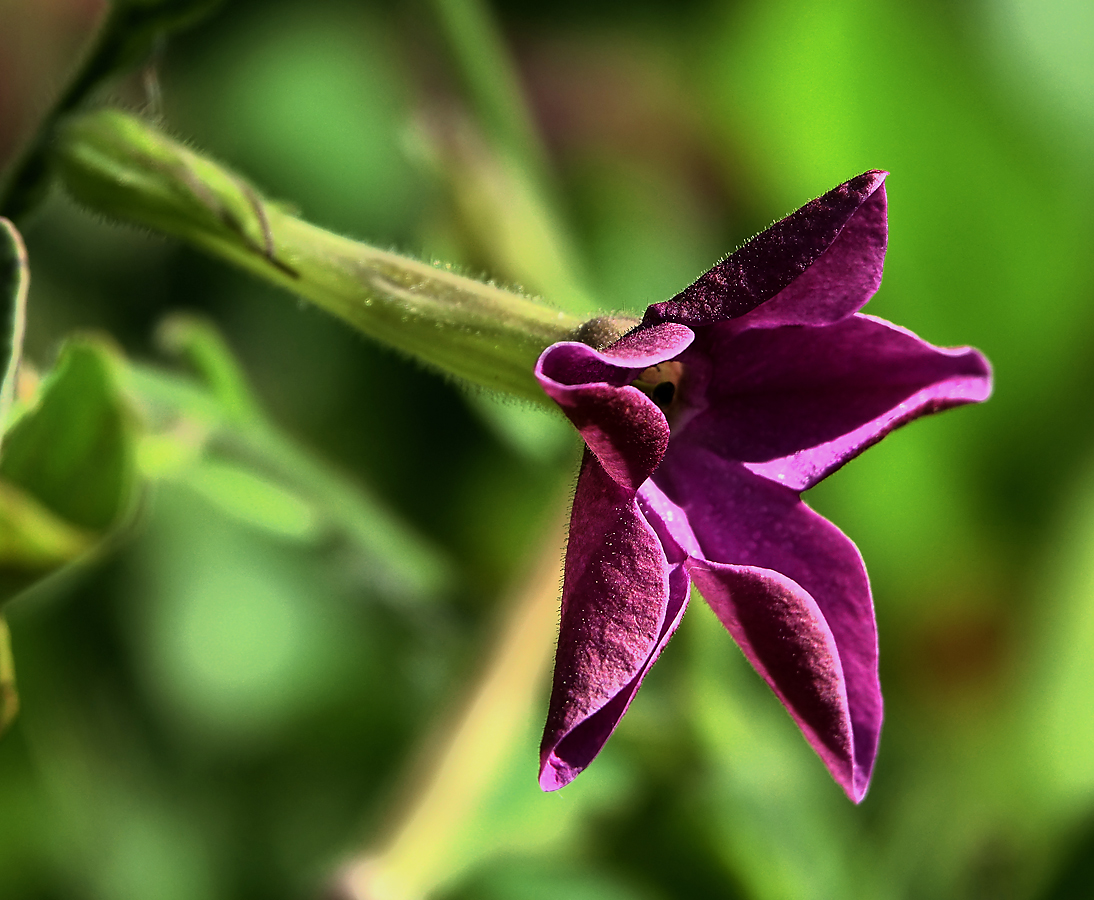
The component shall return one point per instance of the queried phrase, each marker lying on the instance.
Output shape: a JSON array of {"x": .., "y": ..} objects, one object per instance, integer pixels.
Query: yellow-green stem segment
[{"x": 124, "y": 168}]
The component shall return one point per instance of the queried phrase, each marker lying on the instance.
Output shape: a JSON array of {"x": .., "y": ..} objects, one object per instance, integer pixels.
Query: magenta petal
[
  {"x": 782, "y": 631},
  {"x": 781, "y": 382},
  {"x": 795, "y": 404},
  {"x": 769, "y": 263},
  {"x": 620, "y": 424},
  {"x": 570, "y": 363},
  {"x": 742, "y": 519},
  {"x": 841, "y": 280},
  {"x": 620, "y": 604},
  {"x": 645, "y": 347}
]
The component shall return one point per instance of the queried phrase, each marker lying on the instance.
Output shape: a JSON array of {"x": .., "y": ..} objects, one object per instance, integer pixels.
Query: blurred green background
[{"x": 226, "y": 701}]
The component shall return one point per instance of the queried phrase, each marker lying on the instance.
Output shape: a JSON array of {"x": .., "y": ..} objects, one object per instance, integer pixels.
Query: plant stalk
[{"x": 122, "y": 167}]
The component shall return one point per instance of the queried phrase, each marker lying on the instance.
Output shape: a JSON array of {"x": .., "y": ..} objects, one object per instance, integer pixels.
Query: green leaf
[
  {"x": 68, "y": 472},
  {"x": 212, "y": 436},
  {"x": 14, "y": 280},
  {"x": 74, "y": 451},
  {"x": 252, "y": 499},
  {"x": 9, "y": 699},
  {"x": 200, "y": 344}
]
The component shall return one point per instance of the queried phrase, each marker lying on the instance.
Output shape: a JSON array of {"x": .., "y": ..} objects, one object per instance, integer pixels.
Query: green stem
[
  {"x": 418, "y": 854},
  {"x": 491, "y": 82},
  {"x": 122, "y": 167},
  {"x": 505, "y": 190}
]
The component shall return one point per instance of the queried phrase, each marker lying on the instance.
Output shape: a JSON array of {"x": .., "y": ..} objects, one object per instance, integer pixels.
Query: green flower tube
[{"x": 122, "y": 167}]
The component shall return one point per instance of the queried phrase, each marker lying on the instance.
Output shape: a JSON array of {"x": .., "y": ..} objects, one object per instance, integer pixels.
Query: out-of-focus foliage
[
  {"x": 13, "y": 302},
  {"x": 211, "y": 435},
  {"x": 226, "y": 704},
  {"x": 128, "y": 33},
  {"x": 68, "y": 469},
  {"x": 14, "y": 283},
  {"x": 66, "y": 475}
]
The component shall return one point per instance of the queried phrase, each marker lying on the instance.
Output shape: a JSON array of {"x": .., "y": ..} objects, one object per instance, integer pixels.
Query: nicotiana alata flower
[{"x": 702, "y": 426}]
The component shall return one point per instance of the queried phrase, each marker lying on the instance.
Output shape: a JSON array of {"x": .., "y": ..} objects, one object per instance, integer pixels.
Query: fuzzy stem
[{"x": 122, "y": 167}]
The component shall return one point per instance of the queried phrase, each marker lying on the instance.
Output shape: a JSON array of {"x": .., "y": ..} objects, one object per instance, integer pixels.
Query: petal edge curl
[
  {"x": 621, "y": 603},
  {"x": 795, "y": 404},
  {"x": 742, "y": 519},
  {"x": 782, "y": 632},
  {"x": 620, "y": 424},
  {"x": 768, "y": 264}
]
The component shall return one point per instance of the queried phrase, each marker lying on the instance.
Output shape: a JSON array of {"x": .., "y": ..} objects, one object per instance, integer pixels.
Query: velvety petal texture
[
  {"x": 742, "y": 519},
  {"x": 621, "y": 602},
  {"x": 795, "y": 404},
  {"x": 620, "y": 424},
  {"x": 848, "y": 225},
  {"x": 783, "y": 633},
  {"x": 772, "y": 380}
]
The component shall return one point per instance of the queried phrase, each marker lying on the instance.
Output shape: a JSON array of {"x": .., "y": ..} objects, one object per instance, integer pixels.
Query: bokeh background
[{"x": 226, "y": 706}]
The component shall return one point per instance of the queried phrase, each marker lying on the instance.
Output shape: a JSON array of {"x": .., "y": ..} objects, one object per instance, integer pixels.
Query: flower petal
[
  {"x": 795, "y": 404},
  {"x": 742, "y": 519},
  {"x": 620, "y": 424},
  {"x": 570, "y": 363},
  {"x": 842, "y": 234},
  {"x": 783, "y": 633},
  {"x": 621, "y": 602},
  {"x": 842, "y": 278}
]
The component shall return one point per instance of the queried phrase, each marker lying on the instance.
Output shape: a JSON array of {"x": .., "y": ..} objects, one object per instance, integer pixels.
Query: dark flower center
[
  {"x": 661, "y": 384},
  {"x": 662, "y": 394}
]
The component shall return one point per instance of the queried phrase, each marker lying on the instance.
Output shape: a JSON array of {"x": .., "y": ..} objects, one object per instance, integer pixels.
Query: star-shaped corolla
[{"x": 702, "y": 426}]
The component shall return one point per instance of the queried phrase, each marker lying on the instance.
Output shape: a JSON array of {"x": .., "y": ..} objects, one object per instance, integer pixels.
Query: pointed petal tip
[
  {"x": 851, "y": 778},
  {"x": 865, "y": 184},
  {"x": 869, "y": 178},
  {"x": 837, "y": 239},
  {"x": 859, "y": 787},
  {"x": 555, "y": 774}
]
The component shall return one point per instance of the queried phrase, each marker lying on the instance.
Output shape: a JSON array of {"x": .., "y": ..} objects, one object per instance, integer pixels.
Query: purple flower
[{"x": 702, "y": 426}]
